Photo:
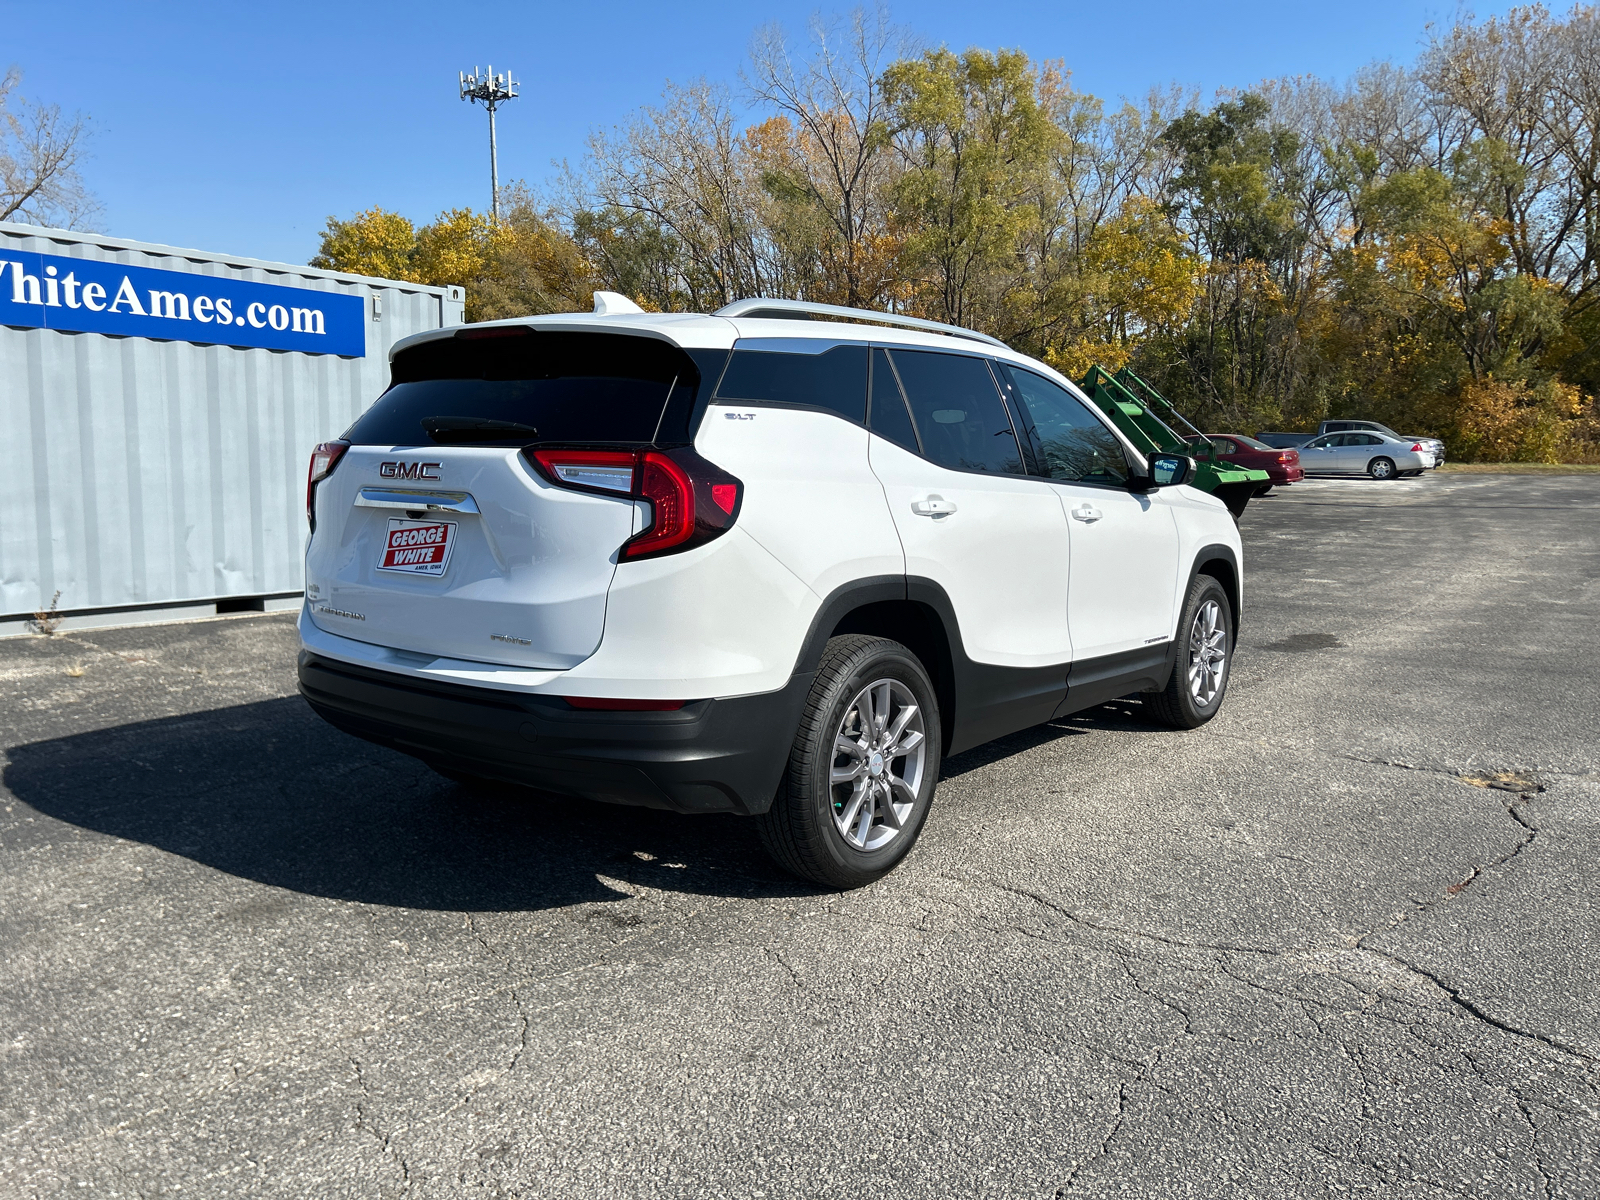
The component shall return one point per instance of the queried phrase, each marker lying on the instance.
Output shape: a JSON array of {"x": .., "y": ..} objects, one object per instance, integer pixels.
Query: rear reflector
[
  {"x": 725, "y": 496},
  {"x": 607, "y": 705}
]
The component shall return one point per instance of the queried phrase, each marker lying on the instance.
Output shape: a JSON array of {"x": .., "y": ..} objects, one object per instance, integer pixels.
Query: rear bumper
[{"x": 709, "y": 756}]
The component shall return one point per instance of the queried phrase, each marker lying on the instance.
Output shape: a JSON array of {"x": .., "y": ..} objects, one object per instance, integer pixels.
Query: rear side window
[
  {"x": 835, "y": 380},
  {"x": 531, "y": 386},
  {"x": 958, "y": 412},
  {"x": 1071, "y": 443}
]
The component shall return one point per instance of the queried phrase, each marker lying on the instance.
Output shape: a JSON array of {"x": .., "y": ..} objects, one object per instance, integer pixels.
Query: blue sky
[{"x": 240, "y": 128}]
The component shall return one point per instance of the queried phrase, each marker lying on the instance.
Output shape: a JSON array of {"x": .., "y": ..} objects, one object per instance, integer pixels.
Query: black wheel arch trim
[
  {"x": 980, "y": 701},
  {"x": 1232, "y": 582}
]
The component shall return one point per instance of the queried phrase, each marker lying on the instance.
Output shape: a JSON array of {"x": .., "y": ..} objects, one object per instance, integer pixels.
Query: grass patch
[{"x": 1516, "y": 468}]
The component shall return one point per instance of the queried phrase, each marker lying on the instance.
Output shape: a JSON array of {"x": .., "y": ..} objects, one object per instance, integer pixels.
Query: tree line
[{"x": 1416, "y": 244}]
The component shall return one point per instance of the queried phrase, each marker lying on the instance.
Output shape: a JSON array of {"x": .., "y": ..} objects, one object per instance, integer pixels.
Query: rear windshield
[
  {"x": 534, "y": 386},
  {"x": 1249, "y": 441}
]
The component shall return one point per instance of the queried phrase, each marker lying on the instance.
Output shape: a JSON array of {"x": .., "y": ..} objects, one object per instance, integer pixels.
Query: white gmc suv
[{"x": 752, "y": 562}]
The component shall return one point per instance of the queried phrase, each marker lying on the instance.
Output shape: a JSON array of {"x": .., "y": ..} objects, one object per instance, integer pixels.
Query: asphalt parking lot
[{"x": 1342, "y": 941}]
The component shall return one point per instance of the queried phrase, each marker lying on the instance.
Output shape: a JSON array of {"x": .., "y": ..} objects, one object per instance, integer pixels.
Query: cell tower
[{"x": 493, "y": 90}]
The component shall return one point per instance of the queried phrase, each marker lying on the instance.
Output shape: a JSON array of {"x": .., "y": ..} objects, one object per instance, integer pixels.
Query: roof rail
[{"x": 780, "y": 309}]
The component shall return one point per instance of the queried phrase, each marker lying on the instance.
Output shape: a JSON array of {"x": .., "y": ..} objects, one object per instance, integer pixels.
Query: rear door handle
[
  {"x": 1087, "y": 512},
  {"x": 933, "y": 506}
]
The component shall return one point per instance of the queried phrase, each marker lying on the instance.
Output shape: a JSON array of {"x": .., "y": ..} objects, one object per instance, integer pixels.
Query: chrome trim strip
[{"x": 456, "y": 502}]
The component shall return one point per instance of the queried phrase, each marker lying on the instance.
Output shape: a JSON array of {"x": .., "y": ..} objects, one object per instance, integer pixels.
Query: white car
[{"x": 749, "y": 562}]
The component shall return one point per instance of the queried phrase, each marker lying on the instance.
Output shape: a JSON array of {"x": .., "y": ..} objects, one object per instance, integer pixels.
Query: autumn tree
[
  {"x": 521, "y": 265},
  {"x": 825, "y": 158},
  {"x": 41, "y": 152},
  {"x": 976, "y": 146}
]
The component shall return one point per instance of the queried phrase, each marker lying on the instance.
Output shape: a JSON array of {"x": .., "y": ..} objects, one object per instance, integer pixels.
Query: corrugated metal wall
[{"x": 140, "y": 472}]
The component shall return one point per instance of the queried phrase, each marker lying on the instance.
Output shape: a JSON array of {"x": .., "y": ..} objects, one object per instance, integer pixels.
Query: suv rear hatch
[{"x": 439, "y": 531}]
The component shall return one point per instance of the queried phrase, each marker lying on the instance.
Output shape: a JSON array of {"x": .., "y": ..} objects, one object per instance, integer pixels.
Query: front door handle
[
  {"x": 933, "y": 506},
  {"x": 1087, "y": 512}
]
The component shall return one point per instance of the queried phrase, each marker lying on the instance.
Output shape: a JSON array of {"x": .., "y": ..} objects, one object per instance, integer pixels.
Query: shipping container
[{"x": 160, "y": 405}]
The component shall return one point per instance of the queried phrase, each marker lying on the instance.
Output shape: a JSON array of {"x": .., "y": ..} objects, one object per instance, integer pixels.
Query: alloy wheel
[
  {"x": 880, "y": 755},
  {"x": 1208, "y": 653}
]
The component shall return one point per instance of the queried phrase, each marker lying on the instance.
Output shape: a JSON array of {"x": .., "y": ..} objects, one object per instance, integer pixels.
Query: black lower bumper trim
[{"x": 709, "y": 756}]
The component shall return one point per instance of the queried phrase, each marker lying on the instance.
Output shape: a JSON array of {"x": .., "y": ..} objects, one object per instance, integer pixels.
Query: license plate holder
[{"x": 417, "y": 547}]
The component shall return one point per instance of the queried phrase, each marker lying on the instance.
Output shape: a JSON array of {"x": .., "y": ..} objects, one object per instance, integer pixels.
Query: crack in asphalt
[
  {"x": 1078, "y": 919},
  {"x": 794, "y": 976},
  {"x": 385, "y": 1140},
  {"x": 1111, "y": 1132},
  {"x": 1469, "y": 1007}
]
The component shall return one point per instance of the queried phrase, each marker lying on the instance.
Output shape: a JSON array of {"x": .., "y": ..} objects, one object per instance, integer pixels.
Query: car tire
[
  {"x": 1199, "y": 679},
  {"x": 847, "y": 811},
  {"x": 1382, "y": 468}
]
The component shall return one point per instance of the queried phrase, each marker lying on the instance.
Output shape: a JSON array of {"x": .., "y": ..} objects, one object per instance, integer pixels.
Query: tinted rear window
[
  {"x": 557, "y": 387},
  {"x": 835, "y": 380}
]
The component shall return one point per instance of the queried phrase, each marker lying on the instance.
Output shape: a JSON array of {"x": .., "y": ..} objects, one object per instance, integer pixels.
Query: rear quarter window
[{"x": 835, "y": 380}]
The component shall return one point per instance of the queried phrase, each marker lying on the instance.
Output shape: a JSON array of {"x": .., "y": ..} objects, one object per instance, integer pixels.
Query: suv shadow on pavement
[{"x": 271, "y": 793}]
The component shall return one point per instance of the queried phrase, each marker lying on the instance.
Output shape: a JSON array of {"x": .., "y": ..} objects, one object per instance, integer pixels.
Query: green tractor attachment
[{"x": 1132, "y": 404}]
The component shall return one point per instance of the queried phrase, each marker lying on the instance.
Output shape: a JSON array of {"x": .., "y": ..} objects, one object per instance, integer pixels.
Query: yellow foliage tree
[
  {"x": 1138, "y": 279},
  {"x": 375, "y": 242},
  {"x": 521, "y": 266}
]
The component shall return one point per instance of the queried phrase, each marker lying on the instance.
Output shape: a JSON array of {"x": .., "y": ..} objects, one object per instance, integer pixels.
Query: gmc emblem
[{"x": 416, "y": 470}]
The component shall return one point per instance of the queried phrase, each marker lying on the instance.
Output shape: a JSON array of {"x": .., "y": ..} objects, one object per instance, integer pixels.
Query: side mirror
[{"x": 1166, "y": 470}]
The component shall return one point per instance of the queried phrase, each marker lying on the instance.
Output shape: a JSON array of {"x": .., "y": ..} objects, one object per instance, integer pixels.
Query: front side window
[
  {"x": 1073, "y": 445},
  {"x": 959, "y": 415},
  {"x": 835, "y": 380},
  {"x": 1322, "y": 443}
]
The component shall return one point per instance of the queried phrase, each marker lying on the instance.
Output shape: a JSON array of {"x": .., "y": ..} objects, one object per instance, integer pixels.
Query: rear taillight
[
  {"x": 691, "y": 500},
  {"x": 607, "y": 471},
  {"x": 597, "y": 704},
  {"x": 323, "y": 460},
  {"x": 1416, "y": 447}
]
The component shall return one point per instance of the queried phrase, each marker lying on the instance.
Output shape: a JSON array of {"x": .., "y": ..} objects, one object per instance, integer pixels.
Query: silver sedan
[{"x": 1363, "y": 453}]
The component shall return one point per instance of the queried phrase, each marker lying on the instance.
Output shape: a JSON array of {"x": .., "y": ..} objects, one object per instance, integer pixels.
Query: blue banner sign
[{"x": 86, "y": 295}]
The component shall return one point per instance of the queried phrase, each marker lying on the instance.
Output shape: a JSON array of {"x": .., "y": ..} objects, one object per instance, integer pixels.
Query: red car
[{"x": 1281, "y": 466}]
